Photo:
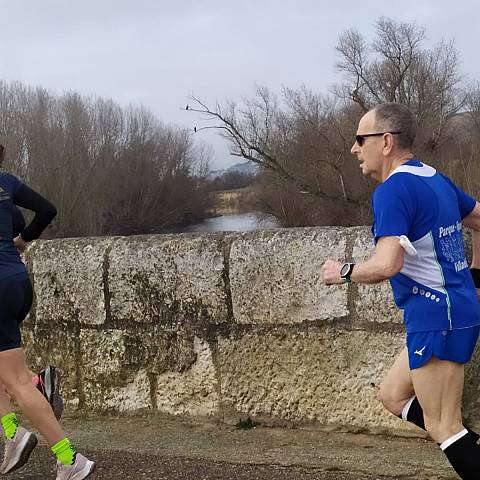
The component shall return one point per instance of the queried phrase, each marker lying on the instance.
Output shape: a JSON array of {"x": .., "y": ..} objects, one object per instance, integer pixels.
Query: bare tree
[
  {"x": 395, "y": 67},
  {"x": 259, "y": 131},
  {"x": 107, "y": 169},
  {"x": 302, "y": 142}
]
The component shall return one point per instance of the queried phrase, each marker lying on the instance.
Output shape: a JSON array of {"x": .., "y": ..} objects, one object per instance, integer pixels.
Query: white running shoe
[
  {"x": 18, "y": 450},
  {"x": 82, "y": 468}
]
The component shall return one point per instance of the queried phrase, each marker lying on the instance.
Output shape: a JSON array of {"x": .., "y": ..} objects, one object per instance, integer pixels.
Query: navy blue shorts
[
  {"x": 16, "y": 295},
  {"x": 454, "y": 345}
]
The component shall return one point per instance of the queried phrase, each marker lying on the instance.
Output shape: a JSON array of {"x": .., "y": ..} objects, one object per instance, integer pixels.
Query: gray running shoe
[
  {"x": 82, "y": 468},
  {"x": 49, "y": 386},
  {"x": 18, "y": 450}
]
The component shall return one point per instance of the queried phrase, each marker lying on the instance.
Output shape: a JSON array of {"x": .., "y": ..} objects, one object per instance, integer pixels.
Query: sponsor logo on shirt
[
  {"x": 451, "y": 241},
  {"x": 462, "y": 265},
  {"x": 450, "y": 230}
]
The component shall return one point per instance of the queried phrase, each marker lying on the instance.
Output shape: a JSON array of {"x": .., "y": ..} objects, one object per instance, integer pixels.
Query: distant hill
[{"x": 245, "y": 167}]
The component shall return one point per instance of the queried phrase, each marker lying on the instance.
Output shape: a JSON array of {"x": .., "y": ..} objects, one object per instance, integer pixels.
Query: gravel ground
[
  {"x": 160, "y": 447},
  {"x": 121, "y": 465}
]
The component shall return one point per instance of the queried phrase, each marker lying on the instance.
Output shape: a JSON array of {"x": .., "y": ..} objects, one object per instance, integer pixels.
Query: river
[{"x": 240, "y": 222}]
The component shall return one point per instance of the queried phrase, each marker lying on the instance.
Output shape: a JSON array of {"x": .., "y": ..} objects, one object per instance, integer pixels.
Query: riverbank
[{"x": 231, "y": 202}]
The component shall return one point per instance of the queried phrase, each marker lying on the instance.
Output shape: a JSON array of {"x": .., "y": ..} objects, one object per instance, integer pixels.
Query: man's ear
[{"x": 388, "y": 143}]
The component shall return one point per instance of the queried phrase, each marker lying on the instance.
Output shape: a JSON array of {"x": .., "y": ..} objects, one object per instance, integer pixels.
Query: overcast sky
[{"x": 158, "y": 52}]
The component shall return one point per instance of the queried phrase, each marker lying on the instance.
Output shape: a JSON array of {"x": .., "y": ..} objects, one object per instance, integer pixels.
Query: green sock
[
  {"x": 10, "y": 425},
  {"x": 64, "y": 452}
]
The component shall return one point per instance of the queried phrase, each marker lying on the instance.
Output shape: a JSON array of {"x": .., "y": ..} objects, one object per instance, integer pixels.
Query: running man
[
  {"x": 418, "y": 216},
  {"x": 15, "y": 379}
]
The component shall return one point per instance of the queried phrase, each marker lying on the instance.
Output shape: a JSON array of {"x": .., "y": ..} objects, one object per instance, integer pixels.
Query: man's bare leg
[
  {"x": 439, "y": 388},
  {"x": 396, "y": 389}
]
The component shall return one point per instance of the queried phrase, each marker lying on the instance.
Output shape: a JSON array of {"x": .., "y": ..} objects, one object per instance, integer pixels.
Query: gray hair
[{"x": 396, "y": 117}]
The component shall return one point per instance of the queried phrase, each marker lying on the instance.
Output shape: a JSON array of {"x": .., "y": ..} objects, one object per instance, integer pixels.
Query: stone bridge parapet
[{"x": 225, "y": 325}]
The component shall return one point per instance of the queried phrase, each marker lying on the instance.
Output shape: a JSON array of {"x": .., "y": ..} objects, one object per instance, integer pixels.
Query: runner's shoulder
[
  {"x": 8, "y": 181},
  {"x": 399, "y": 184}
]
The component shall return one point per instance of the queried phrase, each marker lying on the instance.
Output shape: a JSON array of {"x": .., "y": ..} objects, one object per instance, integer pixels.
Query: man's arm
[
  {"x": 386, "y": 261},
  {"x": 472, "y": 221}
]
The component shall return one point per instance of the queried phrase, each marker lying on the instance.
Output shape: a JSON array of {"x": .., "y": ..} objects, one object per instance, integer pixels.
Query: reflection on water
[{"x": 234, "y": 223}]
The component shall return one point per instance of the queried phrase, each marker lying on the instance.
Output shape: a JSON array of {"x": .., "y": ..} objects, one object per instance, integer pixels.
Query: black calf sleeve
[
  {"x": 464, "y": 456},
  {"x": 414, "y": 415}
]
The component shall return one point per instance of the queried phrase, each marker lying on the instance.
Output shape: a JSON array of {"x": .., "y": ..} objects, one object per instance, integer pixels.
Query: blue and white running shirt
[{"x": 434, "y": 288}]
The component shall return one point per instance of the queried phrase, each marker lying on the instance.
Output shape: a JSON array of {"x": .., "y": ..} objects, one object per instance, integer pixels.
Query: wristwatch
[{"x": 346, "y": 271}]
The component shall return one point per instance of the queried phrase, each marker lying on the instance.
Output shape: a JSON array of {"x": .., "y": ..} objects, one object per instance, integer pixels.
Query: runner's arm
[
  {"x": 386, "y": 261},
  {"x": 472, "y": 221},
  {"x": 44, "y": 211},
  {"x": 18, "y": 221}
]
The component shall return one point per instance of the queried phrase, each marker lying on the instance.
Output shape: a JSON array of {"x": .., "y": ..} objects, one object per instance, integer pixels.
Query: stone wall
[{"x": 224, "y": 325}]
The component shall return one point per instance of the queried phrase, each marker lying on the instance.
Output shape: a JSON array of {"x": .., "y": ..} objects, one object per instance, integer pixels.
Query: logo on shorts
[{"x": 420, "y": 352}]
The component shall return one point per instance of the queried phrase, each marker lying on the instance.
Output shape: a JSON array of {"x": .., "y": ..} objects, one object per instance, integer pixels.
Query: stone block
[
  {"x": 156, "y": 278},
  {"x": 109, "y": 382},
  {"x": 328, "y": 376},
  {"x": 275, "y": 276},
  {"x": 191, "y": 392},
  {"x": 69, "y": 280}
]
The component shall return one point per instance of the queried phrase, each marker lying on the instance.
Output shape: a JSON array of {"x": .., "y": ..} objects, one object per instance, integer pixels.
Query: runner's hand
[
  {"x": 20, "y": 244},
  {"x": 331, "y": 273}
]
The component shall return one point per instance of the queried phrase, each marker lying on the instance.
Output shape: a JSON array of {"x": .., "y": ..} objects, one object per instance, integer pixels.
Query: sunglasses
[{"x": 361, "y": 138}]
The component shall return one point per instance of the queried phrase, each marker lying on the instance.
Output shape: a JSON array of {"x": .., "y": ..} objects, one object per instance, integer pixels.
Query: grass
[{"x": 246, "y": 424}]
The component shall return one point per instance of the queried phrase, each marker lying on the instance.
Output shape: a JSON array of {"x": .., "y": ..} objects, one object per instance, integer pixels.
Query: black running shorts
[{"x": 16, "y": 295}]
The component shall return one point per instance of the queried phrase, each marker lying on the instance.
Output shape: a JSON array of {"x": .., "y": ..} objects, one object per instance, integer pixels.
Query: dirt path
[{"x": 171, "y": 448}]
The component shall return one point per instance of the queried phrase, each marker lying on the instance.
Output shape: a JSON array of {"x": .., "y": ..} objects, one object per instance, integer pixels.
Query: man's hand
[
  {"x": 20, "y": 244},
  {"x": 331, "y": 273}
]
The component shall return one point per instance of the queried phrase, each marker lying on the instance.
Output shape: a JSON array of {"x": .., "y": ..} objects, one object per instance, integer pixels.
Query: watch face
[{"x": 344, "y": 270}]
